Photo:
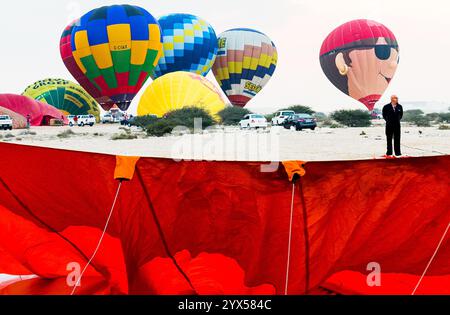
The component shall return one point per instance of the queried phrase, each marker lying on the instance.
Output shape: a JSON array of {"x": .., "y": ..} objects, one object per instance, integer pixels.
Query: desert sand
[{"x": 232, "y": 144}]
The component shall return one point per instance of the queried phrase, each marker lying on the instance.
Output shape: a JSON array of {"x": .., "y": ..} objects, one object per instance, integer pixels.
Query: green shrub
[
  {"x": 421, "y": 121},
  {"x": 353, "y": 118},
  {"x": 412, "y": 115},
  {"x": 187, "y": 116},
  {"x": 123, "y": 136},
  {"x": 231, "y": 116},
  {"x": 300, "y": 109},
  {"x": 160, "y": 128},
  {"x": 9, "y": 136},
  {"x": 444, "y": 117},
  {"x": 66, "y": 134},
  {"x": 444, "y": 127},
  {"x": 143, "y": 121}
]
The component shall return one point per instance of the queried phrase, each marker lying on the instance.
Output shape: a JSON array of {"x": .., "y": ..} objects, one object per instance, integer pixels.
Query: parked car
[
  {"x": 300, "y": 122},
  {"x": 253, "y": 121},
  {"x": 281, "y": 117},
  {"x": 6, "y": 122},
  {"x": 107, "y": 119},
  {"x": 86, "y": 120}
]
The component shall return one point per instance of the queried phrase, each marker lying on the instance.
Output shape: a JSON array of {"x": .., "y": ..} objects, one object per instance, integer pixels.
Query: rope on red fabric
[
  {"x": 99, "y": 244},
  {"x": 161, "y": 232},
  {"x": 431, "y": 259}
]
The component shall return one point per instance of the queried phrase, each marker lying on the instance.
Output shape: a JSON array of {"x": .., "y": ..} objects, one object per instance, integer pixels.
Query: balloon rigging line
[
  {"x": 432, "y": 259},
  {"x": 288, "y": 266},
  {"x": 424, "y": 150},
  {"x": 101, "y": 239}
]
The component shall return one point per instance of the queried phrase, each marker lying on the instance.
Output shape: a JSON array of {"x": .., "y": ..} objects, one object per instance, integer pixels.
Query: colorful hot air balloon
[
  {"x": 116, "y": 48},
  {"x": 360, "y": 58},
  {"x": 68, "y": 97},
  {"x": 190, "y": 44},
  {"x": 245, "y": 63},
  {"x": 178, "y": 90},
  {"x": 70, "y": 63}
]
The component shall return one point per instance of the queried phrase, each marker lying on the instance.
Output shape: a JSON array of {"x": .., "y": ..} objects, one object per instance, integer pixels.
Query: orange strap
[
  {"x": 125, "y": 167},
  {"x": 294, "y": 168}
]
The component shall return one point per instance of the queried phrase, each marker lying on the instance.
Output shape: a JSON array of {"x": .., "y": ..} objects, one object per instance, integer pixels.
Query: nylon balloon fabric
[
  {"x": 178, "y": 90},
  {"x": 247, "y": 60},
  {"x": 116, "y": 48},
  {"x": 68, "y": 97},
  {"x": 190, "y": 44},
  {"x": 219, "y": 227},
  {"x": 361, "y": 58}
]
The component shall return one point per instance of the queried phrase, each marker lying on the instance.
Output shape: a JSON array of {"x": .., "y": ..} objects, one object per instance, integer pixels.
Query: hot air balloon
[
  {"x": 68, "y": 97},
  {"x": 178, "y": 90},
  {"x": 70, "y": 63},
  {"x": 116, "y": 48},
  {"x": 39, "y": 113},
  {"x": 246, "y": 61},
  {"x": 190, "y": 44},
  {"x": 360, "y": 58}
]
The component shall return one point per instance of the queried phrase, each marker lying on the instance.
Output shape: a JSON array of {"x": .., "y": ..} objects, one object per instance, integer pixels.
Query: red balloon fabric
[
  {"x": 219, "y": 227},
  {"x": 40, "y": 113}
]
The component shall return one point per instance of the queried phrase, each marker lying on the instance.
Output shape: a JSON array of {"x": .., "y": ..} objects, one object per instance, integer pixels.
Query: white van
[
  {"x": 6, "y": 122},
  {"x": 86, "y": 120}
]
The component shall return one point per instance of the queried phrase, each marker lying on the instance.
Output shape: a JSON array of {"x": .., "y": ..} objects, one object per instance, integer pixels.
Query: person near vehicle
[
  {"x": 393, "y": 114},
  {"x": 75, "y": 119},
  {"x": 28, "y": 121}
]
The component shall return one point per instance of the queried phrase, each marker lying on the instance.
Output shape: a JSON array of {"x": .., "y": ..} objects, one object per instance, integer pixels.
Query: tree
[
  {"x": 412, "y": 115},
  {"x": 231, "y": 116},
  {"x": 353, "y": 118},
  {"x": 300, "y": 109}
]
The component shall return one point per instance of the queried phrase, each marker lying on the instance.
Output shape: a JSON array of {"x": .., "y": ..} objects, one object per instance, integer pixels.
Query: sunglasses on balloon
[{"x": 383, "y": 52}]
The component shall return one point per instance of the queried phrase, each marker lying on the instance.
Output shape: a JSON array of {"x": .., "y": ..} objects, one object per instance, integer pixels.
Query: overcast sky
[{"x": 30, "y": 32}]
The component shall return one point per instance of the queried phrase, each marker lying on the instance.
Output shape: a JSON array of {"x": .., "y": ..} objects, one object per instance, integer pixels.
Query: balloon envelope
[
  {"x": 116, "y": 48},
  {"x": 40, "y": 113},
  {"x": 246, "y": 61},
  {"x": 65, "y": 48},
  {"x": 68, "y": 97},
  {"x": 178, "y": 90},
  {"x": 190, "y": 44},
  {"x": 360, "y": 58}
]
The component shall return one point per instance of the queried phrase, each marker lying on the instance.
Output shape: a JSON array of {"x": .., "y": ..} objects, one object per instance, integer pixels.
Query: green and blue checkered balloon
[{"x": 190, "y": 44}]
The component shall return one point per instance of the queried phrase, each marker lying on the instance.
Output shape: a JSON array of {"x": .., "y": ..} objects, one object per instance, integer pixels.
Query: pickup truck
[{"x": 6, "y": 122}]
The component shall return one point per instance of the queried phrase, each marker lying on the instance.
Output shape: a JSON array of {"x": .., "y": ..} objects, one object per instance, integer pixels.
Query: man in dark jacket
[{"x": 393, "y": 114}]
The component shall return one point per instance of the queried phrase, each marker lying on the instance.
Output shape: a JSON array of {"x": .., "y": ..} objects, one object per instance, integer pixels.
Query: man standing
[{"x": 393, "y": 114}]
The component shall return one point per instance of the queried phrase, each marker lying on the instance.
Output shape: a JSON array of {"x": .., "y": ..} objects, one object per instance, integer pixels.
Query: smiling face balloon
[{"x": 360, "y": 58}]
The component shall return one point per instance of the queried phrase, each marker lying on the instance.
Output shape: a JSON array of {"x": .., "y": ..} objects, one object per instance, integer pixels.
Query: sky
[{"x": 30, "y": 33}]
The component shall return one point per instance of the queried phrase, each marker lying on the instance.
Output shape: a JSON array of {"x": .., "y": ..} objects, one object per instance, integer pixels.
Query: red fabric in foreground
[{"x": 225, "y": 223}]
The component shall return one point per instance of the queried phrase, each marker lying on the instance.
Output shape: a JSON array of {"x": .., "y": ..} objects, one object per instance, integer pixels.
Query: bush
[
  {"x": 421, "y": 121},
  {"x": 160, "y": 128},
  {"x": 231, "y": 116},
  {"x": 300, "y": 109},
  {"x": 444, "y": 117},
  {"x": 185, "y": 117},
  {"x": 444, "y": 127},
  {"x": 411, "y": 115},
  {"x": 418, "y": 118},
  {"x": 9, "y": 136},
  {"x": 320, "y": 116},
  {"x": 66, "y": 134},
  {"x": 353, "y": 118},
  {"x": 143, "y": 121}
]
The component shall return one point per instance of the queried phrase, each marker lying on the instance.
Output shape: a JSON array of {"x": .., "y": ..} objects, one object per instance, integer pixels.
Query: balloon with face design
[{"x": 360, "y": 58}]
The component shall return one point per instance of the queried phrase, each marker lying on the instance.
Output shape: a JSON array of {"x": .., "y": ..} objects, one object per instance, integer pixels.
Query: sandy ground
[{"x": 231, "y": 144}]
